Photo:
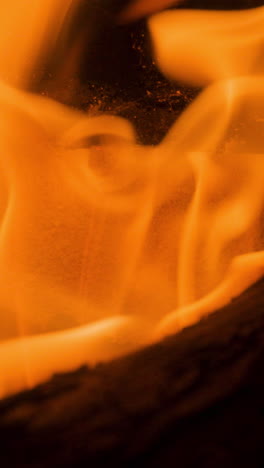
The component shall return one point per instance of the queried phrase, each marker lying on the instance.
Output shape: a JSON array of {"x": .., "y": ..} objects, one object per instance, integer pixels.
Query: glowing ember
[{"x": 105, "y": 245}]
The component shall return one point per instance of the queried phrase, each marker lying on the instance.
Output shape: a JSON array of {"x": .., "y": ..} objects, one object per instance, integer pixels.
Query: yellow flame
[{"x": 105, "y": 245}]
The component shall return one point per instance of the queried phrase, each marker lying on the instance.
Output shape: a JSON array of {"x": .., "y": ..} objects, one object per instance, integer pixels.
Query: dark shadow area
[{"x": 103, "y": 66}]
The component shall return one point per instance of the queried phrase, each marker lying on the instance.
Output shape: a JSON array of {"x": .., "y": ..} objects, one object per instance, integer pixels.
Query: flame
[
  {"x": 28, "y": 29},
  {"x": 107, "y": 246},
  {"x": 140, "y": 8}
]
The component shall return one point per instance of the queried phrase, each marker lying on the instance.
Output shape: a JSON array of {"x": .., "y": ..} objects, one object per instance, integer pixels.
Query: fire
[
  {"x": 139, "y": 8},
  {"x": 107, "y": 246}
]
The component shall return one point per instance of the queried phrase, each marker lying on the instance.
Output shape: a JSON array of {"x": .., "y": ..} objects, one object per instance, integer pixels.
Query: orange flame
[
  {"x": 105, "y": 245},
  {"x": 140, "y": 8}
]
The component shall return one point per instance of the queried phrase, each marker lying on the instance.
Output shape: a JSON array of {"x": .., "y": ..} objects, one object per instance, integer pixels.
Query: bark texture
[{"x": 193, "y": 400}]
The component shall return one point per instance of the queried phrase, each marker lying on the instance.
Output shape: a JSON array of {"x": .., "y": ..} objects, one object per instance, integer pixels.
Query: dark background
[{"x": 100, "y": 65}]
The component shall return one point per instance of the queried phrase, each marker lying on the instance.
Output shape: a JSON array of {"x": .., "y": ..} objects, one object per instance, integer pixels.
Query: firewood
[{"x": 193, "y": 400}]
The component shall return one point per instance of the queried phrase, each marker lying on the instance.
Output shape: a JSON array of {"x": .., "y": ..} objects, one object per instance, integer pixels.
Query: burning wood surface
[{"x": 202, "y": 388}]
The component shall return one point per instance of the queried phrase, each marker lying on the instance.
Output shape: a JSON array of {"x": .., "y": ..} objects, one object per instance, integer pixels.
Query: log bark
[{"x": 192, "y": 400}]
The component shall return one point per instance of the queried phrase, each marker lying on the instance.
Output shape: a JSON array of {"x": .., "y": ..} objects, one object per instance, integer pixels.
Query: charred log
[{"x": 192, "y": 400}]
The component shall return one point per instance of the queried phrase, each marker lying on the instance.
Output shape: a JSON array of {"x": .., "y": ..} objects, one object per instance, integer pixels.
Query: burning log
[{"x": 194, "y": 399}]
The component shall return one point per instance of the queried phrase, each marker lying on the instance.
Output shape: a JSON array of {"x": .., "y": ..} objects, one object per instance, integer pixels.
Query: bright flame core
[{"x": 117, "y": 243}]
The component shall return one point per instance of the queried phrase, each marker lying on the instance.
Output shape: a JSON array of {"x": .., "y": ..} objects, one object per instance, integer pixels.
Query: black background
[{"x": 114, "y": 72}]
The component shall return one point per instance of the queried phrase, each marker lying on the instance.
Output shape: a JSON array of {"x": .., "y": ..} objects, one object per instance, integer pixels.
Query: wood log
[{"x": 193, "y": 400}]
